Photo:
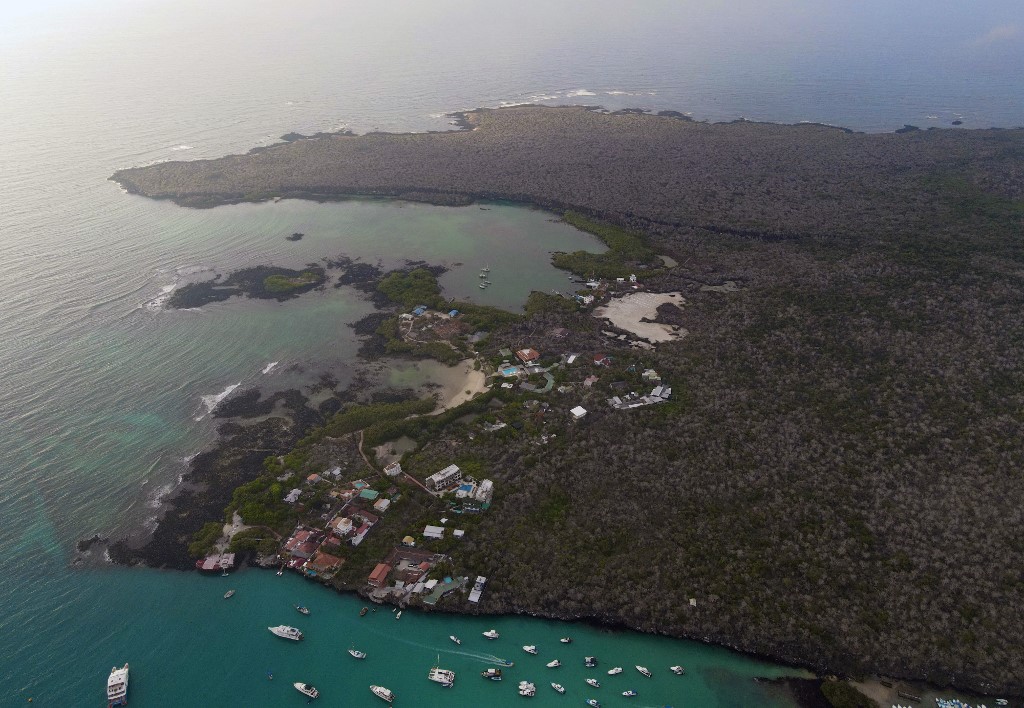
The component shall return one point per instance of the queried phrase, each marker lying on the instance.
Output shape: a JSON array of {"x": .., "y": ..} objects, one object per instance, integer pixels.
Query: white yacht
[
  {"x": 593, "y": 682},
  {"x": 616, "y": 670},
  {"x": 530, "y": 649},
  {"x": 677, "y": 670},
  {"x": 566, "y": 640},
  {"x": 306, "y": 690},
  {"x": 442, "y": 676},
  {"x": 117, "y": 687},
  {"x": 492, "y": 634},
  {"x": 455, "y": 639},
  {"x": 382, "y": 693},
  {"x": 558, "y": 687},
  {"x": 644, "y": 671},
  {"x": 554, "y": 664},
  {"x": 356, "y": 653},
  {"x": 286, "y": 632}
]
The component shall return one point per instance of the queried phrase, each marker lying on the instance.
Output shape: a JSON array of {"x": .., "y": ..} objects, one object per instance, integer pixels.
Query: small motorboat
[
  {"x": 558, "y": 687},
  {"x": 491, "y": 634},
  {"x": 303, "y": 609},
  {"x": 362, "y": 612},
  {"x": 356, "y": 653},
  {"x": 229, "y": 593},
  {"x": 455, "y": 639},
  {"x": 593, "y": 702},
  {"x": 505, "y": 662},
  {"x": 306, "y": 690},
  {"x": 530, "y": 649},
  {"x": 280, "y": 571},
  {"x": 590, "y": 661},
  {"x": 630, "y": 693},
  {"x": 644, "y": 671},
  {"x": 482, "y": 286},
  {"x": 616, "y": 670},
  {"x": 677, "y": 670},
  {"x": 593, "y": 682},
  {"x": 566, "y": 640},
  {"x": 399, "y": 615},
  {"x": 554, "y": 664},
  {"x": 492, "y": 674}
]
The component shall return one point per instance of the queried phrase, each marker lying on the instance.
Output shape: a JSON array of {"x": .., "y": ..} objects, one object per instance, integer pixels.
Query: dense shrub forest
[{"x": 838, "y": 481}]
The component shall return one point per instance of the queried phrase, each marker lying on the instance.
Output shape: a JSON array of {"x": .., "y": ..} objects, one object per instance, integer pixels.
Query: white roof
[
  {"x": 579, "y": 411},
  {"x": 458, "y": 533}
]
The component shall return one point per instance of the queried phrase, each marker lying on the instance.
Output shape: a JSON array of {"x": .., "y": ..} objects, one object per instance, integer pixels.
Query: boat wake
[
  {"x": 269, "y": 367},
  {"x": 178, "y": 148},
  {"x": 211, "y": 401}
]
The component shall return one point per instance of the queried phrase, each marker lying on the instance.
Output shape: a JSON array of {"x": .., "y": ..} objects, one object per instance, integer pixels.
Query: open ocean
[{"x": 105, "y": 396}]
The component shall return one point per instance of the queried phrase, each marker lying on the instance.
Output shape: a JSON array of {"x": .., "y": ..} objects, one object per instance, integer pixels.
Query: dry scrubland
[{"x": 840, "y": 481}]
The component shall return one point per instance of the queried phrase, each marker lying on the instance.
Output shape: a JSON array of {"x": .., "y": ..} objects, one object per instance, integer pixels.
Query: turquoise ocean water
[{"x": 105, "y": 396}]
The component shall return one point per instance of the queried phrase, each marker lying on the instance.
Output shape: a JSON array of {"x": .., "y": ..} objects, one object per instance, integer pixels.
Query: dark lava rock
[
  {"x": 251, "y": 282},
  {"x": 958, "y": 122},
  {"x": 294, "y": 237}
]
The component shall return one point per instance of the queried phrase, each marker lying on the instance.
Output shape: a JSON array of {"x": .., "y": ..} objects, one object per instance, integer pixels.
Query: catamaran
[
  {"x": 306, "y": 690},
  {"x": 445, "y": 677},
  {"x": 527, "y": 689},
  {"x": 286, "y": 632},
  {"x": 117, "y": 687}
]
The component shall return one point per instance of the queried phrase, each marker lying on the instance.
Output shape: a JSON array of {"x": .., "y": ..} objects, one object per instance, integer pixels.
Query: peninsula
[{"x": 836, "y": 479}]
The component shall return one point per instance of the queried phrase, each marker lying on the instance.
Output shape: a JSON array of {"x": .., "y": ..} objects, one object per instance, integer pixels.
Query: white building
[
  {"x": 578, "y": 412},
  {"x": 484, "y": 491},
  {"x": 382, "y": 505},
  {"x": 434, "y": 532},
  {"x": 394, "y": 469},
  {"x": 445, "y": 478},
  {"x": 293, "y": 496}
]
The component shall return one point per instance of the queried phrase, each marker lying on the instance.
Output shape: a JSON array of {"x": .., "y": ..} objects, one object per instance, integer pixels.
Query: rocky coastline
[{"x": 868, "y": 262}]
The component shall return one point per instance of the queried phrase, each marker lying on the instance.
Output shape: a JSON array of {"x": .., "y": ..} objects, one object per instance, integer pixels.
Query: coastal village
[{"x": 414, "y": 508}]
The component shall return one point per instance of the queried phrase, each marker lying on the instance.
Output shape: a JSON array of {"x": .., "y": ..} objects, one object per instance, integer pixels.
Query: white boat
[
  {"x": 616, "y": 670},
  {"x": 644, "y": 671},
  {"x": 229, "y": 593},
  {"x": 306, "y": 690},
  {"x": 558, "y": 687},
  {"x": 286, "y": 632},
  {"x": 482, "y": 286},
  {"x": 593, "y": 682},
  {"x": 117, "y": 687},
  {"x": 677, "y": 670},
  {"x": 485, "y": 269},
  {"x": 527, "y": 689},
  {"x": 356, "y": 653},
  {"x": 382, "y": 693},
  {"x": 303, "y": 609},
  {"x": 455, "y": 639},
  {"x": 442, "y": 676},
  {"x": 492, "y": 674},
  {"x": 566, "y": 640},
  {"x": 593, "y": 702},
  {"x": 530, "y": 649},
  {"x": 399, "y": 615},
  {"x": 554, "y": 664},
  {"x": 629, "y": 693},
  {"x": 491, "y": 634}
]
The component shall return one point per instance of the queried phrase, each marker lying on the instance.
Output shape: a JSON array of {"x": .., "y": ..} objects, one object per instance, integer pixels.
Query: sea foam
[{"x": 211, "y": 401}]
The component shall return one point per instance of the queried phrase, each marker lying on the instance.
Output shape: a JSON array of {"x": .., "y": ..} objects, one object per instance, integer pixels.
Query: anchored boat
[
  {"x": 677, "y": 670},
  {"x": 356, "y": 653},
  {"x": 303, "y": 609},
  {"x": 644, "y": 671},
  {"x": 530, "y": 649},
  {"x": 558, "y": 687},
  {"x": 492, "y": 674},
  {"x": 306, "y": 690},
  {"x": 527, "y": 689},
  {"x": 616, "y": 670},
  {"x": 455, "y": 639},
  {"x": 491, "y": 634},
  {"x": 593, "y": 682},
  {"x": 286, "y": 632},
  {"x": 382, "y": 693},
  {"x": 117, "y": 687},
  {"x": 554, "y": 664}
]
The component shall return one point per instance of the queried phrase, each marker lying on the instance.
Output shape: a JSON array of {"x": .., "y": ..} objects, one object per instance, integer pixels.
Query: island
[{"x": 833, "y": 477}]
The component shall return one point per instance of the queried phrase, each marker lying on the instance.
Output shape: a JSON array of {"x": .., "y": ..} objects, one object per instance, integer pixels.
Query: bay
[{"x": 103, "y": 393}]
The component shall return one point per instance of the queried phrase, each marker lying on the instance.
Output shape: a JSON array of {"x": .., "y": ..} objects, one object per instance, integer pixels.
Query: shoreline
[{"x": 872, "y": 189}]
